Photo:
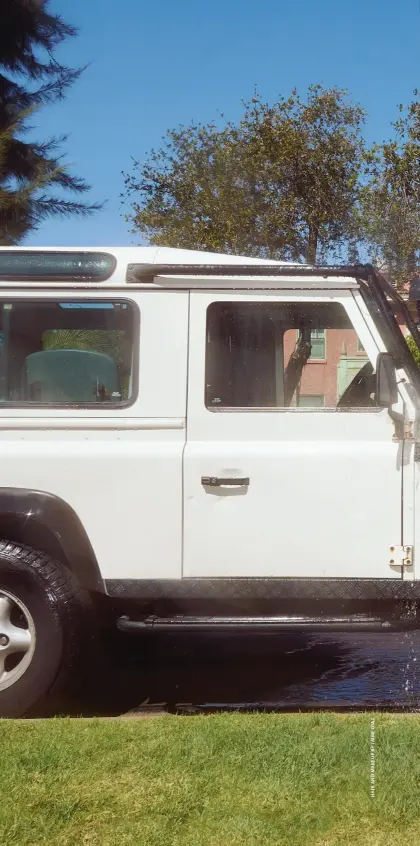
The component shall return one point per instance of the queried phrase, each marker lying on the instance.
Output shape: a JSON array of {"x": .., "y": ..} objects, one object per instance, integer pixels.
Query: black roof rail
[{"x": 148, "y": 272}]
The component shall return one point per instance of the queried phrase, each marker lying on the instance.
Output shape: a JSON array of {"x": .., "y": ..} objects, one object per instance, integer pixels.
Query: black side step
[{"x": 182, "y": 623}]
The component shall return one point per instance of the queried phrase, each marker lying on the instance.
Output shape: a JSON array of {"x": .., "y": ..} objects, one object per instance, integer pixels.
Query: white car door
[
  {"x": 285, "y": 474},
  {"x": 116, "y": 461}
]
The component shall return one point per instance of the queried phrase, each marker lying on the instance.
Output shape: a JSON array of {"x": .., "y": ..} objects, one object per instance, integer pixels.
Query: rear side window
[
  {"x": 67, "y": 353},
  {"x": 285, "y": 355}
]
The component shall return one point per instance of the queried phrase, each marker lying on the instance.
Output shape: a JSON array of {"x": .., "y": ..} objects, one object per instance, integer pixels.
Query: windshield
[
  {"x": 404, "y": 318},
  {"x": 402, "y": 312}
]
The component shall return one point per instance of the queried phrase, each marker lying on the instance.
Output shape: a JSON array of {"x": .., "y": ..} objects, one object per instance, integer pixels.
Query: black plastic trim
[
  {"x": 257, "y": 588},
  {"x": 69, "y": 277},
  {"x": 187, "y": 623},
  {"x": 48, "y": 523},
  {"x": 148, "y": 272}
]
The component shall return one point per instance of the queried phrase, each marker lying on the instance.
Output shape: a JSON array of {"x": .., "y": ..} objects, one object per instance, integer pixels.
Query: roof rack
[{"x": 148, "y": 272}]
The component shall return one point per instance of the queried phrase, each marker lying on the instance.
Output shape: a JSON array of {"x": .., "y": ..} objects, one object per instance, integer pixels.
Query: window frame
[
  {"x": 312, "y": 359},
  {"x": 77, "y": 297}
]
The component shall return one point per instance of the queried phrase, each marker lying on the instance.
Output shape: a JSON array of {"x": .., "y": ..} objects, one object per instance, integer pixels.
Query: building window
[
  {"x": 318, "y": 341},
  {"x": 318, "y": 344},
  {"x": 68, "y": 353},
  {"x": 311, "y": 401}
]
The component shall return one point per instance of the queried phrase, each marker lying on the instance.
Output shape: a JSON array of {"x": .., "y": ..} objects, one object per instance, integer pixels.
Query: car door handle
[{"x": 217, "y": 482}]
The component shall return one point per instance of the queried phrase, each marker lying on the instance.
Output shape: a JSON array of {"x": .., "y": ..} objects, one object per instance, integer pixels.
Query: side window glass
[
  {"x": 285, "y": 355},
  {"x": 66, "y": 352}
]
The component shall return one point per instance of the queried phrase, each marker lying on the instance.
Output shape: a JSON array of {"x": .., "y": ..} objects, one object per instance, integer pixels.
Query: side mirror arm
[
  {"x": 387, "y": 391},
  {"x": 399, "y": 423}
]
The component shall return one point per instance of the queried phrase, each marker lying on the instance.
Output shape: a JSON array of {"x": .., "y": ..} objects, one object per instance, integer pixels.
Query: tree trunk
[
  {"x": 412, "y": 263},
  {"x": 296, "y": 363},
  {"x": 312, "y": 245}
]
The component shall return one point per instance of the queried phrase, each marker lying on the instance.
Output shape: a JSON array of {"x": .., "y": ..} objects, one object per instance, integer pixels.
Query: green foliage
[
  {"x": 25, "y": 202},
  {"x": 99, "y": 340},
  {"x": 283, "y": 182},
  {"x": 293, "y": 180},
  {"x": 413, "y": 348},
  {"x": 29, "y": 170},
  {"x": 391, "y": 200}
]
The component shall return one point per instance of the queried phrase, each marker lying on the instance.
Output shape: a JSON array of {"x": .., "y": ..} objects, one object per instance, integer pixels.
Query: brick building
[{"x": 336, "y": 357}]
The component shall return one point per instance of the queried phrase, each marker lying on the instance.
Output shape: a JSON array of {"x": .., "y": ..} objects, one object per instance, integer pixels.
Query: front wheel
[{"x": 45, "y": 619}]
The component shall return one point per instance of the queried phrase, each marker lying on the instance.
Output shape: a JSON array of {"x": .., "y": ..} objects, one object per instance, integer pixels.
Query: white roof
[
  {"x": 153, "y": 255},
  {"x": 173, "y": 256}
]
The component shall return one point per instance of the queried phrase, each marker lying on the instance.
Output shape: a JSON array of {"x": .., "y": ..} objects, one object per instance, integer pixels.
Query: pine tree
[{"x": 31, "y": 77}]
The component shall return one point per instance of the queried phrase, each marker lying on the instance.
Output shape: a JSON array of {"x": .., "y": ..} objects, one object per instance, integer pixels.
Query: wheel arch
[{"x": 47, "y": 523}]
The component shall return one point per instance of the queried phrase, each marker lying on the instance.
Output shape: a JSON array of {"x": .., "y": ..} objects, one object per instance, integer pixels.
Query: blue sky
[{"x": 156, "y": 64}]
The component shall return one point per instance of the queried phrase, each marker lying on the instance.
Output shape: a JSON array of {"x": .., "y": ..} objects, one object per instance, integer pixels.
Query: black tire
[{"x": 62, "y": 616}]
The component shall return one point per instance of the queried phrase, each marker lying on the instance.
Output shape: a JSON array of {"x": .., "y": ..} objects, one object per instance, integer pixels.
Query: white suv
[{"x": 198, "y": 441}]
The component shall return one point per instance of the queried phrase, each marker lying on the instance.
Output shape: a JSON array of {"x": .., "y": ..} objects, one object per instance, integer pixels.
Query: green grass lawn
[{"x": 219, "y": 780}]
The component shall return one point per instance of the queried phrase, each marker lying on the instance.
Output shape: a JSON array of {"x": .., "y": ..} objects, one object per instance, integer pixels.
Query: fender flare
[{"x": 48, "y": 523}]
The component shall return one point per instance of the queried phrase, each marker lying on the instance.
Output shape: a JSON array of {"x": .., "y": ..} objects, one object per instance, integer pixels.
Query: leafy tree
[
  {"x": 414, "y": 348},
  {"x": 391, "y": 200},
  {"x": 30, "y": 76},
  {"x": 284, "y": 182}
]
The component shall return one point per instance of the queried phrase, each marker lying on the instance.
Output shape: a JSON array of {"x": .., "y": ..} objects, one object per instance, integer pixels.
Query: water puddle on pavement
[{"x": 270, "y": 672}]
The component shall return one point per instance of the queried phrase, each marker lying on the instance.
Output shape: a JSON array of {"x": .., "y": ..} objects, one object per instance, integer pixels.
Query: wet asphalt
[{"x": 209, "y": 672}]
